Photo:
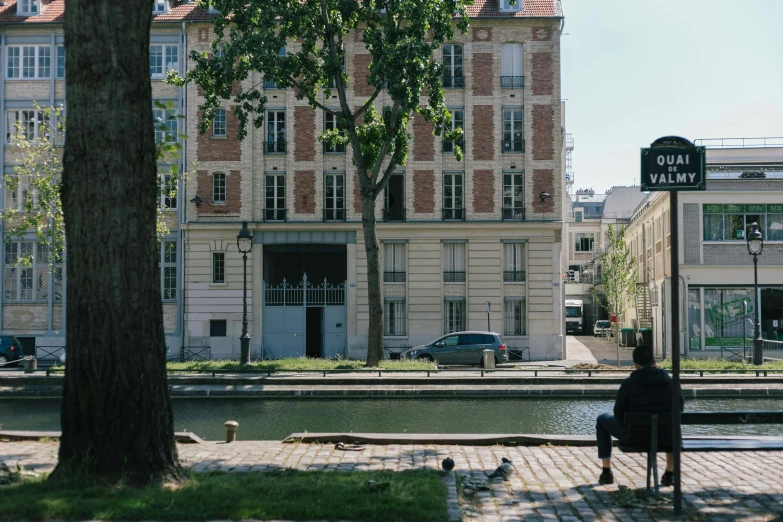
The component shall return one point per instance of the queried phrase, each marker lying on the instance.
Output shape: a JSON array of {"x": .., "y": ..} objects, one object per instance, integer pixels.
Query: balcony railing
[
  {"x": 514, "y": 213},
  {"x": 271, "y": 84},
  {"x": 334, "y": 147},
  {"x": 448, "y": 145},
  {"x": 453, "y": 277},
  {"x": 275, "y": 147},
  {"x": 454, "y": 214},
  {"x": 394, "y": 277},
  {"x": 512, "y": 82},
  {"x": 393, "y": 214},
  {"x": 334, "y": 214},
  {"x": 453, "y": 81},
  {"x": 513, "y": 146},
  {"x": 274, "y": 214},
  {"x": 515, "y": 276}
]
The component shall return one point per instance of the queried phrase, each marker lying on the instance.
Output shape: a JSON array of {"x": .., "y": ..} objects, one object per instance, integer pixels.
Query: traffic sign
[{"x": 671, "y": 164}]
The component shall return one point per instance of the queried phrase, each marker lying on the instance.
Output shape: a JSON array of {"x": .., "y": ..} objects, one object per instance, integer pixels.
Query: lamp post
[
  {"x": 755, "y": 246},
  {"x": 244, "y": 245}
]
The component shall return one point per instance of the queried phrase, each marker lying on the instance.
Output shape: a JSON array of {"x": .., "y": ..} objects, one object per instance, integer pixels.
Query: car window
[
  {"x": 451, "y": 340},
  {"x": 466, "y": 339},
  {"x": 489, "y": 339}
]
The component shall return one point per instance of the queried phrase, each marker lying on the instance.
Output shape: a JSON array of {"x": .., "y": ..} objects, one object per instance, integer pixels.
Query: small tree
[
  {"x": 618, "y": 278},
  {"x": 401, "y": 37}
]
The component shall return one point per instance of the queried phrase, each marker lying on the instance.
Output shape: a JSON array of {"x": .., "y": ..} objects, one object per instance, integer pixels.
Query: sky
[{"x": 636, "y": 70}]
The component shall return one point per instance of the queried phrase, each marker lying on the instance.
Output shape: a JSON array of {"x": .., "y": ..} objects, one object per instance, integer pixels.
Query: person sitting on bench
[{"x": 647, "y": 390}]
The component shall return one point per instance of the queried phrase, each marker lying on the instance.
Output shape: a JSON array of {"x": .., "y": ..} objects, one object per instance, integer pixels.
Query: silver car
[{"x": 460, "y": 348}]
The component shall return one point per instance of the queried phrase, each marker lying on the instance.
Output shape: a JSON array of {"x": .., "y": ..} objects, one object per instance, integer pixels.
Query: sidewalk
[{"x": 551, "y": 482}]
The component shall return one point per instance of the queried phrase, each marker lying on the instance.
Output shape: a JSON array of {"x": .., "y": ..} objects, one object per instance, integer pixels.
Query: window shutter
[{"x": 507, "y": 59}]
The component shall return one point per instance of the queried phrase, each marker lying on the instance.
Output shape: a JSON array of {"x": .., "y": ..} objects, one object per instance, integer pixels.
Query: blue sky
[{"x": 636, "y": 70}]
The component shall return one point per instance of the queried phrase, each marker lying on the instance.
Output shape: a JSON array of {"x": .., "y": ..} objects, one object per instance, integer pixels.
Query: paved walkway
[
  {"x": 551, "y": 483},
  {"x": 577, "y": 352}
]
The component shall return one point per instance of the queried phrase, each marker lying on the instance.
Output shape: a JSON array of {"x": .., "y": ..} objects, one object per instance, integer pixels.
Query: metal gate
[{"x": 284, "y": 317}]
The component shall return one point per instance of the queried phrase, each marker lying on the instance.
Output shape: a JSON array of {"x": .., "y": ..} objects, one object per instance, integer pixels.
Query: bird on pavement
[
  {"x": 504, "y": 471},
  {"x": 447, "y": 464}
]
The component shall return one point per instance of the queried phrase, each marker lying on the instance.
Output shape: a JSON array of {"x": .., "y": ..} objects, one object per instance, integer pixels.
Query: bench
[{"x": 702, "y": 444}]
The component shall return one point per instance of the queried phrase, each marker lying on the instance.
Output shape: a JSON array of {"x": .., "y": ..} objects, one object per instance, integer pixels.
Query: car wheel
[
  {"x": 3, "y": 360},
  {"x": 424, "y": 358}
]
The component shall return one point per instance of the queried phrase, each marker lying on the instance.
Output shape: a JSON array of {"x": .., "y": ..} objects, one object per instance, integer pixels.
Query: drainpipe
[{"x": 181, "y": 196}]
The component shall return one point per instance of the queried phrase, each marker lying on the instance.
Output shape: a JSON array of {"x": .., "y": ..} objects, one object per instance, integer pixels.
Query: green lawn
[
  {"x": 299, "y": 363},
  {"x": 720, "y": 364},
  {"x": 310, "y": 495}
]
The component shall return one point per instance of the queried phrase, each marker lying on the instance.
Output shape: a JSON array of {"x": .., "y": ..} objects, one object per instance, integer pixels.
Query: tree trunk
[
  {"x": 617, "y": 338},
  {"x": 116, "y": 414},
  {"x": 375, "y": 328}
]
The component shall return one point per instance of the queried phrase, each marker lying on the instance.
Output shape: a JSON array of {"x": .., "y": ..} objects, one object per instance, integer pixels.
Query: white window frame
[
  {"x": 454, "y": 261},
  {"x": 218, "y": 268},
  {"x": 394, "y": 262},
  {"x": 513, "y": 128},
  {"x": 169, "y": 118},
  {"x": 394, "y": 319},
  {"x": 505, "y": 5},
  {"x": 514, "y": 317},
  {"x": 336, "y": 202},
  {"x": 456, "y": 181},
  {"x": 513, "y": 261},
  {"x": 219, "y": 188},
  {"x": 168, "y": 270},
  {"x": 35, "y": 123},
  {"x": 511, "y": 61},
  {"x": 457, "y": 122},
  {"x": 219, "y": 124},
  {"x": 26, "y": 283},
  {"x": 453, "y": 316},
  {"x": 160, "y": 7},
  {"x": 517, "y": 200},
  {"x": 29, "y": 62},
  {"x": 450, "y": 67},
  {"x": 578, "y": 236},
  {"x": 275, "y": 131},
  {"x": 60, "y": 61},
  {"x": 161, "y": 60},
  {"x": 330, "y": 122},
  {"x": 276, "y": 182},
  {"x": 167, "y": 201},
  {"x": 17, "y": 199},
  {"x": 28, "y": 7}
]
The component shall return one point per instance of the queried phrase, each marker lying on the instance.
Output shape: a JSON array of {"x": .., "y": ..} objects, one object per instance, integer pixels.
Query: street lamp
[
  {"x": 244, "y": 245},
  {"x": 755, "y": 246}
]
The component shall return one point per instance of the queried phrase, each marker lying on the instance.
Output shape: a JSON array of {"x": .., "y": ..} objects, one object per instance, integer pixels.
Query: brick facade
[
  {"x": 226, "y": 148},
  {"x": 423, "y": 191},
  {"x": 483, "y": 131},
  {"x": 483, "y": 75},
  {"x": 543, "y": 132},
  {"x": 423, "y": 139},
  {"x": 483, "y": 191},
  {"x": 233, "y": 204},
  {"x": 542, "y": 76},
  {"x": 361, "y": 70},
  {"x": 543, "y": 181},
  {"x": 304, "y": 133},
  {"x": 304, "y": 191}
]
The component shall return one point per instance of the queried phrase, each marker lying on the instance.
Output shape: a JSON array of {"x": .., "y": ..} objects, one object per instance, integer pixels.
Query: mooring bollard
[
  {"x": 231, "y": 430},
  {"x": 30, "y": 364}
]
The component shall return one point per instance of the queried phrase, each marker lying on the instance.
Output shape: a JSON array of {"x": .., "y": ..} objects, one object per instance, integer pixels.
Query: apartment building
[
  {"x": 465, "y": 244},
  {"x": 718, "y": 306}
]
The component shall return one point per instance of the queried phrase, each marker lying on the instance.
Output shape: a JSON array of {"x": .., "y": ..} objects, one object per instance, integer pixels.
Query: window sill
[
  {"x": 218, "y": 284},
  {"x": 219, "y": 203},
  {"x": 219, "y": 137},
  {"x": 514, "y": 282},
  {"x": 453, "y": 282},
  {"x": 31, "y": 79},
  {"x": 394, "y": 282}
]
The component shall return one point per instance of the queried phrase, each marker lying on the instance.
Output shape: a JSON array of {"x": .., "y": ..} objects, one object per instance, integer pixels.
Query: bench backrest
[{"x": 707, "y": 417}]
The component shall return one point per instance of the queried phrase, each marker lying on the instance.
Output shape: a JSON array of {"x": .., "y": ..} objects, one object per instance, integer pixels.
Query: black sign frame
[{"x": 697, "y": 158}]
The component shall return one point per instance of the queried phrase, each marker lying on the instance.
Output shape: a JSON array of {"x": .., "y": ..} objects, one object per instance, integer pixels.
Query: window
[
  {"x": 168, "y": 191},
  {"x": 505, "y": 5},
  {"x": 332, "y": 122},
  {"x": 453, "y": 316},
  {"x": 29, "y": 280},
  {"x": 275, "y": 197},
  {"x": 511, "y": 65},
  {"x": 20, "y": 197},
  {"x": 29, "y": 124},
  {"x": 393, "y": 263},
  {"x": 218, "y": 188},
  {"x": 217, "y": 328},
  {"x": 168, "y": 264},
  {"x": 394, "y": 318},
  {"x": 218, "y": 267},
  {"x": 513, "y": 262},
  {"x": 333, "y": 81},
  {"x": 219, "y": 124},
  {"x": 271, "y": 84},
  {"x": 457, "y": 122},
  {"x": 452, "y": 66},
  {"x": 453, "y": 205},
  {"x": 61, "y": 61},
  {"x": 275, "y": 132},
  {"x": 394, "y": 198},
  {"x": 160, "y": 6},
  {"x": 514, "y": 321},
  {"x": 513, "y": 131},
  {"x": 513, "y": 195},
  {"x": 454, "y": 262},
  {"x": 166, "y": 124},
  {"x": 334, "y": 197},
  {"x": 733, "y": 222},
  {"x": 29, "y": 61},
  {"x": 578, "y": 214},
  {"x": 28, "y": 7},
  {"x": 583, "y": 241},
  {"x": 163, "y": 58}
]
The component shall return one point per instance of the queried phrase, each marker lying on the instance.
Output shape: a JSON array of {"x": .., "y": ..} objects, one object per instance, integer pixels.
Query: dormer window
[
  {"x": 160, "y": 7},
  {"x": 505, "y": 5},
  {"x": 28, "y": 7}
]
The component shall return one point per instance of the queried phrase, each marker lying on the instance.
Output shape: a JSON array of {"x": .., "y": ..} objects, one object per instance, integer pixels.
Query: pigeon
[
  {"x": 447, "y": 464},
  {"x": 504, "y": 471}
]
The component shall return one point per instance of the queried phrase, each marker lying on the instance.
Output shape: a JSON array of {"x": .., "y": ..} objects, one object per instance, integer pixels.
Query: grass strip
[
  {"x": 298, "y": 363},
  {"x": 380, "y": 496},
  {"x": 720, "y": 364}
]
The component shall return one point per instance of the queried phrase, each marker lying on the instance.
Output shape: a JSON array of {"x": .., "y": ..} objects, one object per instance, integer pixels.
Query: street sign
[{"x": 675, "y": 167}]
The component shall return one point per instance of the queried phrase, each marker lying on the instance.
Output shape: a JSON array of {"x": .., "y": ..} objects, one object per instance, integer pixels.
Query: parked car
[
  {"x": 460, "y": 348},
  {"x": 603, "y": 328},
  {"x": 10, "y": 351}
]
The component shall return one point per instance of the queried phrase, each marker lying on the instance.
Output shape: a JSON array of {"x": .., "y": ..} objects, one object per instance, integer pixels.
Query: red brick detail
[
  {"x": 204, "y": 35},
  {"x": 357, "y": 198},
  {"x": 543, "y": 132},
  {"x": 358, "y": 34},
  {"x": 229, "y": 148},
  {"x": 542, "y": 74},
  {"x": 423, "y": 139},
  {"x": 483, "y": 191},
  {"x": 483, "y": 77},
  {"x": 541, "y": 34},
  {"x": 233, "y": 204},
  {"x": 361, "y": 70},
  {"x": 304, "y": 191},
  {"x": 304, "y": 133},
  {"x": 423, "y": 191},
  {"x": 478, "y": 32},
  {"x": 483, "y": 131},
  {"x": 543, "y": 181}
]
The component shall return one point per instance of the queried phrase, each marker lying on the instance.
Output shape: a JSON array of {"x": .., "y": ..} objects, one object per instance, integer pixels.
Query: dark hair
[{"x": 643, "y": 355}]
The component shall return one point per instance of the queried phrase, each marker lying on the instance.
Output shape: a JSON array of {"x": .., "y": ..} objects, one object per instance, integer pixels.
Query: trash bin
[
  {"x": 627, "y": 337},
  {"x": 488, "y": 359},
  {"x": 30, "y": 364},
  {"x": 644, "y": 337}
]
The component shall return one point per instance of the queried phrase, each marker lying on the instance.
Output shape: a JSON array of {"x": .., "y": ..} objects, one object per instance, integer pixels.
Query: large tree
[
  {"x": 116, "y": 413},
  {"x": 401, "y": 37}
]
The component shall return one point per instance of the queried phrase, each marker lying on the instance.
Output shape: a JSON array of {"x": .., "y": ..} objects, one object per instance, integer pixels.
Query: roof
[
  {"x": 622, "y": 201},
  {"x": 189, "y": 11}
]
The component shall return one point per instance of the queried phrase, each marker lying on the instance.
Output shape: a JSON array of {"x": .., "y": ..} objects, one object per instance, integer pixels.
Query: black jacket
[{"x": 646, "y": 390}]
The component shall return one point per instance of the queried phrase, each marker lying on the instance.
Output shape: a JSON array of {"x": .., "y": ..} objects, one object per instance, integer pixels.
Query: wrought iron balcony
[
  {"x": 448, "y": 145},
  {"x": 393, "y": 214},
  {"x": 514, "y": 213},
  {"x": 275, "y": 147},
  {"x": 454, "y": 214},
  {"x": 274, "y": 214},
  {"x": 334, "y": 147},
  {"x": 394, "y": 277},
  {"x": 334, "y": 214},
  {"x": 453, "y": 277},
  {"x": 271, "y": 84},
  {"x": 513, "y": 145},
  {"x": 512, "y": 82},
  {"x": 453, "y": 81},
  {"x": 515, "y": 276}
]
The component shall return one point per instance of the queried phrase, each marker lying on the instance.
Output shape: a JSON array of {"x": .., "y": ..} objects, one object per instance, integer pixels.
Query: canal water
[{"x": 276, "y": 419}]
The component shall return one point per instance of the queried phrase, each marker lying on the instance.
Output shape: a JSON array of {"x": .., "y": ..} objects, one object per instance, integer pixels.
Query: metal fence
[
  {"x": 772, "y": 349},
  {"x": 304, "y": 293}
]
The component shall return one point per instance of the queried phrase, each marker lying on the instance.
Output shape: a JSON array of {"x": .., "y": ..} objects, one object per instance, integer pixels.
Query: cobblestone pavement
[{"x": 550, "y": 483}]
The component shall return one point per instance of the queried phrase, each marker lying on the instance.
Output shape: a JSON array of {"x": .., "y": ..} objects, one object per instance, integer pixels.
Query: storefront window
[
  {"x": 694, "y": 320},
  {"x": 772, "y": 313},
  {"x": 774, "y": 230},
  {"x": 725, "y": 319}
]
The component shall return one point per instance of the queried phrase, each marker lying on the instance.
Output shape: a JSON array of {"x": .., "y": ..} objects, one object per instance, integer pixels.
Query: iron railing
[
  {"x": 274, "y": 214},
  {"x": 514, "y": 276},
  {"x": 513, "y": 213},
  {"x": 271, "y": 84},
  {"x": 304, "y": 293},
  {"x": 393, "y": 214},
  {"x": 453, "y": 81},
  {"x": 513, "y": 145},
  {"x": 512, "y": 82},
  {"x": 334, "y": 147},
  {"x": 453, "y": 277},
  {"x": 394, "y": 277},
  {"x": 454, "y": 214},
  {"x": 275, "y": 147},
  {"x": 448, "y": 145},
  {"x": 334, "y": 214},
  {"x": 740, "y": 143}
]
